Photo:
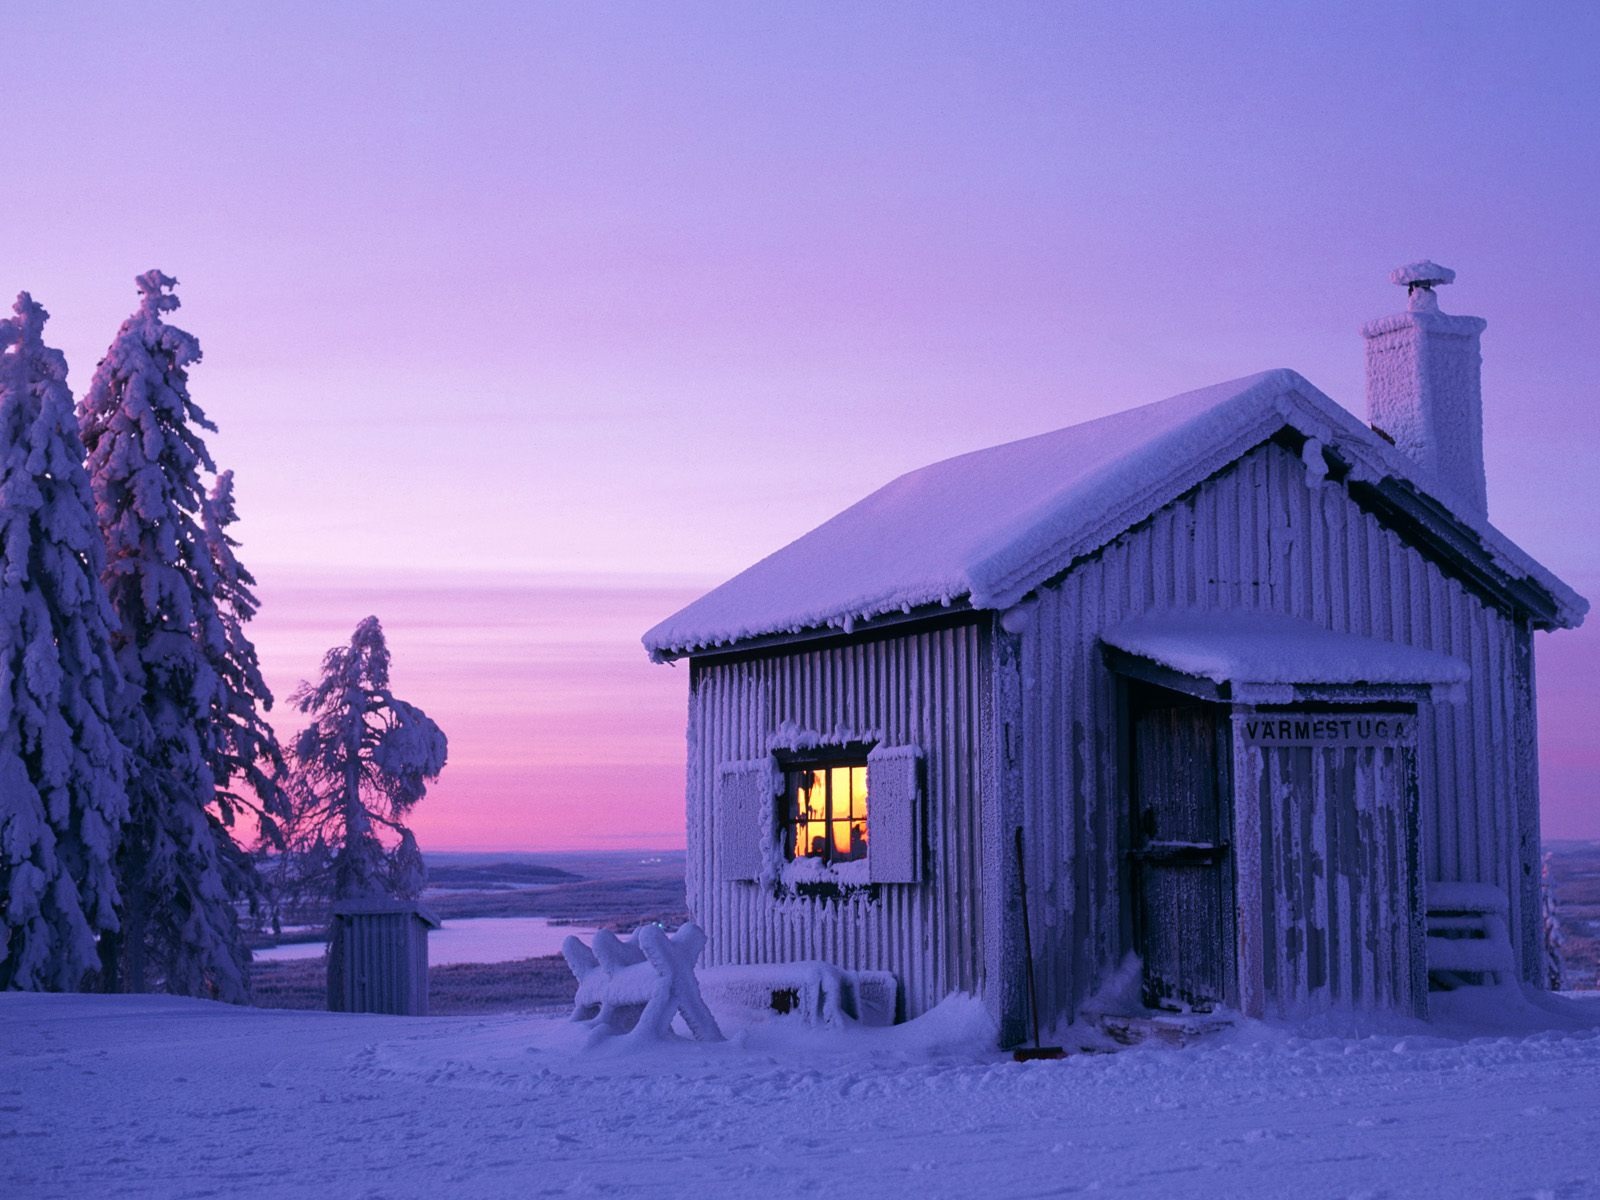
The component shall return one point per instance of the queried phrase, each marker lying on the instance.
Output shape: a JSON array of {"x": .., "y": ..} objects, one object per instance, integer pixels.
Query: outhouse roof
[
  {"x": 983, "y": 529},
  {"x": 1264, "y": 656},
  {"x": 385, "y": 906}
]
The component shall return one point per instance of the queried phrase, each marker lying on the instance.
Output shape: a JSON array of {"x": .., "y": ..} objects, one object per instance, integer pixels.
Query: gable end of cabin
[{"x": 1269, "y": 534}]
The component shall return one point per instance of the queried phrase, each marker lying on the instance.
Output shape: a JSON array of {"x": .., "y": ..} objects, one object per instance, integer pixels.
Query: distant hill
[
  {"x": 617, "y": 889},
  {"x": 494, "y": 875}
]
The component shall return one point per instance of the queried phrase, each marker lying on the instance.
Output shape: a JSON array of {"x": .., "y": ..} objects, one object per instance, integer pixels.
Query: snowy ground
[{"x": 151, "y": 1096}]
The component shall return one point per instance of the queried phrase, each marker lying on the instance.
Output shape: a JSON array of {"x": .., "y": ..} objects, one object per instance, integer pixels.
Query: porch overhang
[{"x": 1252, "y": 658}]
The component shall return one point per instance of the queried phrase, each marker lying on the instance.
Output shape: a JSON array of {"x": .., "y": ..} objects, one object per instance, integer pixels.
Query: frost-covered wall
[
  {"x": 1258, "y": 537},
  {"x": 925, "y": 689}
]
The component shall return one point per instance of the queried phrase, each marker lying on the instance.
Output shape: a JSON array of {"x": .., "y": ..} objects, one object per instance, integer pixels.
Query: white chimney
[{"x": 1423, "y": 390}]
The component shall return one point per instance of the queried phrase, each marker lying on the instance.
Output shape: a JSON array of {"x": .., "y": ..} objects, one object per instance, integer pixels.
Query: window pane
[
  {"x": 813, "y": 796},
  {"x": 807, "y": 808},
  {"x": 849, "y": 841},
  {"x": 839, "y": 785},
  {"x": 841, "y": 840},
  {"x": 858, "y": 792}
]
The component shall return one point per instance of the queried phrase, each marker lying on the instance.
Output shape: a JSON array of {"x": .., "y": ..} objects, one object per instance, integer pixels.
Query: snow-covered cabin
[{"x": 1254, "y": 679}]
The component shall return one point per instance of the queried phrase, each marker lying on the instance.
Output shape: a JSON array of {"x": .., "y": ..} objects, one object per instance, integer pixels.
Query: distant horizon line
[{"x": 565, "y": 850}]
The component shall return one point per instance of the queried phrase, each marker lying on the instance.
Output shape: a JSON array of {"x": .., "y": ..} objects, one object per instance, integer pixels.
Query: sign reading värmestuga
[{"x": 1326, "y": 728}]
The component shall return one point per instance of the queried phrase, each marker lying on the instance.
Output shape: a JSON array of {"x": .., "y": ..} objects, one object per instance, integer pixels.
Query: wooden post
[{"x": 1248, "y": 900}]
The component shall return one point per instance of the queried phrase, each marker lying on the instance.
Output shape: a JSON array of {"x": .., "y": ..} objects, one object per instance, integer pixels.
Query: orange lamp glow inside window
[{"x": 827, "y": 812}]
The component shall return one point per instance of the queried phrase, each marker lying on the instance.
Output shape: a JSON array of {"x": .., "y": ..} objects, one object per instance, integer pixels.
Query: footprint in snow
[{"x": 1263, "y": 1135}]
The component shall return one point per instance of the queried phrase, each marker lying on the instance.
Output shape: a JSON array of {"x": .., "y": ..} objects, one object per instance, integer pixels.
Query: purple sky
[{"x": 524, "y": 321}]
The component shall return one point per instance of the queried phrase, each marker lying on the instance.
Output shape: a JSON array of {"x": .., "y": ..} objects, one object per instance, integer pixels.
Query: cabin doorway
[{"x": 1182, "y": 871}]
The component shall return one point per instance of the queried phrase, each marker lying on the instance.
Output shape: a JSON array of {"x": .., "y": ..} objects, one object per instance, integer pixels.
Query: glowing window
[{"x": 825, "y": 814}]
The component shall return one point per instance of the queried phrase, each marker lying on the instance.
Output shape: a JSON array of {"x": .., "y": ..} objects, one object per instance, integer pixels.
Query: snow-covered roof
[
  {"x": 1253, "y": 649},
  {"x": 986, "y": 528}
]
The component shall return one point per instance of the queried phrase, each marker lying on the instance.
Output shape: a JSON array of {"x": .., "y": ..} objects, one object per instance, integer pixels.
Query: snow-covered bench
[
  {"x": 636, "y": 987},
  {"x": 816, "y": 991},
  {"x": 640, "y": 983}
]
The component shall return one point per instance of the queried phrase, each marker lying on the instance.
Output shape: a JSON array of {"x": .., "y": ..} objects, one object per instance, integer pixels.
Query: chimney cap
[
  {"x": 1419, "y": 280},
  {"x": 1424, "y": 274}
]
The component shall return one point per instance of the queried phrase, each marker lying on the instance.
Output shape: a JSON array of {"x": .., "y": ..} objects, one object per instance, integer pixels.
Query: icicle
[
  {"x": 1316, "y": 465},
  {"x": 1019, "y": 619}
]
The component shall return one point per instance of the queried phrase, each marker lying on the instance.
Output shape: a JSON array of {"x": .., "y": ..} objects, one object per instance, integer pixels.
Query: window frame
[{"x": 791, "y": 764}]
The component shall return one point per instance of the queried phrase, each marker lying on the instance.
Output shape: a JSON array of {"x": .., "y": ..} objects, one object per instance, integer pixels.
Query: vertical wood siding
[
  {"x": 378, "y": 963},
  {"x": 1257, "y": 537},
  {"x": 925, "y": 689},
  {"x": 1331, "y": 843}
]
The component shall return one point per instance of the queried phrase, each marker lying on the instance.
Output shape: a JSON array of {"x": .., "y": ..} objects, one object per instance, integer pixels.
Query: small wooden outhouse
[
  {"x": 1250, "y": 674},
  {"x": 378, "y": 957}
]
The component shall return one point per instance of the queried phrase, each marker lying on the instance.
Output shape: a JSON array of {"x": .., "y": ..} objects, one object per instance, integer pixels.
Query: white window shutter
[
  {"x": 745, "y": 817},
  {"x": 894, "y": 815}
]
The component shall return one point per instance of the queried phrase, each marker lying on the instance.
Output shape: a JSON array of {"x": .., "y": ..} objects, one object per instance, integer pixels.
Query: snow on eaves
[
  {"x": 986, "y": 528},
  {"x": 1269, "y": 648}
]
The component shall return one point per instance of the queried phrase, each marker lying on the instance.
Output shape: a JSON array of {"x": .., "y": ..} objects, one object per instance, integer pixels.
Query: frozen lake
[{"x": 471, "y": 940}]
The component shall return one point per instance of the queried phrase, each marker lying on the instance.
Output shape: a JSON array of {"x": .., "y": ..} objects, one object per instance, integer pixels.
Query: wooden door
[{"x": 1183, "y": 880}]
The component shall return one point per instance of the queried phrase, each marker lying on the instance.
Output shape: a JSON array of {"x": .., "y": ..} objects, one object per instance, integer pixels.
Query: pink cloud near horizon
[{"x": 563, "y": 735}]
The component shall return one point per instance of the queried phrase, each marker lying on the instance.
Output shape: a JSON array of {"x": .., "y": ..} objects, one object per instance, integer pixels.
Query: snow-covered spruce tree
[
  {"x": 248, "y": 764},
  {"x": 61, "y": 788},
  {"x": 185, "y": 728},
  {"x": 362, "y": 764}
]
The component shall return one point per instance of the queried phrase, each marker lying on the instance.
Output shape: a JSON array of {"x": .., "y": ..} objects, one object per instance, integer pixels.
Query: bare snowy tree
[
  {"x": 360, "y": 767},
  {"x": 62, "y": 803},
  {"x": 189, "y": 712}
]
